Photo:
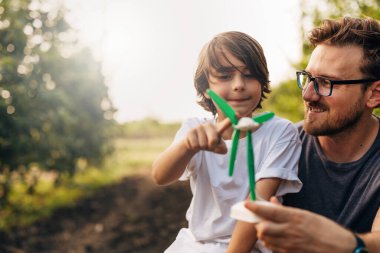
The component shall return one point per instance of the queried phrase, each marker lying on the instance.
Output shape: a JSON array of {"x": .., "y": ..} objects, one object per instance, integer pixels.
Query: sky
[{"x": 149, "y": 48}]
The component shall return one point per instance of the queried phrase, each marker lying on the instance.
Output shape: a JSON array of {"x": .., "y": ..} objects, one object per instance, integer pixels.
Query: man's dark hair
[{"x": 362, "y": 32}]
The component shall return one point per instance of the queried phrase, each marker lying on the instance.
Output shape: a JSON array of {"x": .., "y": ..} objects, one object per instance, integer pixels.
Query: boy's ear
[
  {"x": 206, "y": 94},
  {"x": 374, "y": 95}
]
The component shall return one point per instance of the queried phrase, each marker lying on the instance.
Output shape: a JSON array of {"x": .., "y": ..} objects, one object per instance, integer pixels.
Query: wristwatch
[{"x": 360, "y": 246}]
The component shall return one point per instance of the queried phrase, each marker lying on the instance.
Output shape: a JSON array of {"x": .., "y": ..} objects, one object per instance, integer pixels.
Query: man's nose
[{"x": 309, "y": 93}]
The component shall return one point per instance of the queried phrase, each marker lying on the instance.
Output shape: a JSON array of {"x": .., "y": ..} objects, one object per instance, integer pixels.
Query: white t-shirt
[{"x": 276, "y": 153}]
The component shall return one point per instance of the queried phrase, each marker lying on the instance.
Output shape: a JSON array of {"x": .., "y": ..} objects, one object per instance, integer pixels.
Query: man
[{"x": 338, "y": 208}]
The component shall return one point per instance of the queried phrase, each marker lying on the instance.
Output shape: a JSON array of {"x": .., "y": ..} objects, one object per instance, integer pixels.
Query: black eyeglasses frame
[{"x": 332, "y": 82}]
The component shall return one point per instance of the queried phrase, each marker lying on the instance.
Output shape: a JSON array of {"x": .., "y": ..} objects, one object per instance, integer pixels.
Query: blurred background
[{"x": 91, "y": 91}]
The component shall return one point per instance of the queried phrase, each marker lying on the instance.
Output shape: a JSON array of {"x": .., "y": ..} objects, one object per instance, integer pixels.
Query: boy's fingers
[
  {"x": 223, "y": 125},
  {"x": 221, "y": 148},
  {"x": 192, "y": 140},
  {"x": 213, "y": 137},
  {"x": 275, "y": 200}
]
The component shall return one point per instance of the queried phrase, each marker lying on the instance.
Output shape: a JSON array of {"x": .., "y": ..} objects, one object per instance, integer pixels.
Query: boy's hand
[{"x": 208, "y": 137}]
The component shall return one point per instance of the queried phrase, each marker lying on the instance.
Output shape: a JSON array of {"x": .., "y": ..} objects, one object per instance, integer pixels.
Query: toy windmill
[{"x": 243, "y": 124}]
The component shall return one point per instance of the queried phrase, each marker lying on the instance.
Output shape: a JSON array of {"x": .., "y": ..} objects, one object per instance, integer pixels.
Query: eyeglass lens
[{"x": 321, "y": 85}]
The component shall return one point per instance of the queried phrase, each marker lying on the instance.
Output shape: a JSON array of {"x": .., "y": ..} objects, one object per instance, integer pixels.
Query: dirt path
[{"x": 133, "y": 216}]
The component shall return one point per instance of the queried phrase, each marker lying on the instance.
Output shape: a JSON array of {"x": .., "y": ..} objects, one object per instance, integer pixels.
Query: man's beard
[{"x": 334, "y": 124}]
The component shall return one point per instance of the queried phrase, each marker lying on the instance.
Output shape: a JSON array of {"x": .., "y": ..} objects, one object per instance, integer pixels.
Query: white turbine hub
[
  {"x": 246, "y": 124},
  {"x": 240, "y": 212}
]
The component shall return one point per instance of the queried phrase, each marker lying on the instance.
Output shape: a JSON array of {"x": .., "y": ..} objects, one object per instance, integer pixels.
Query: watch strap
[{"x": 360, "y": 245}]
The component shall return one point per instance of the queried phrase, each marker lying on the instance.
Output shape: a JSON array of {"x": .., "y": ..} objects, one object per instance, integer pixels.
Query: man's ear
[{"x": 374, "y": 95}]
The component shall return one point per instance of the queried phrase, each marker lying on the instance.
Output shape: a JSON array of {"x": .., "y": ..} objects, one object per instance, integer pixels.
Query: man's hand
[
  {"x": 286, "y": 229},
  {"x": 208, "y": 137}
]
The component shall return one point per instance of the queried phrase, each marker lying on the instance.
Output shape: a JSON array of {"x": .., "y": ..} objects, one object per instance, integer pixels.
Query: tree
[
  {"x": 54, "y": 105},
  {"x": 286, "y": 101}
]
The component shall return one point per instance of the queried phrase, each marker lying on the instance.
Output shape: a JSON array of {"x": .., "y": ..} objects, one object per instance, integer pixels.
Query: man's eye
[{"x": 323, "y": 81}]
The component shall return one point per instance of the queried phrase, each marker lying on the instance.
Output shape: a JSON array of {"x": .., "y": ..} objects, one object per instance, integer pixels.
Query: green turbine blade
[
  {"x": 222, "y": 104},
  {"x": 263, "y": 117},
  {"x": 251, "y": 165},
  {"x": 235, "y": 142}
]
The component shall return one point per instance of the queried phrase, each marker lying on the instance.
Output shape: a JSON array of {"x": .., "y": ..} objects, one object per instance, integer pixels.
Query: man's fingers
[
  {"x": 267, "y": 229},
  {"x": 274, "y": 213},
  {"x": 223, "y": 125},
  {"x": 280, "y": 238}
]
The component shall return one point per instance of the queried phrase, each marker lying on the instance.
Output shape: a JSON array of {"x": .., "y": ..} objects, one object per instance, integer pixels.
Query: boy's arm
[
  {"x": 244, "y": 235},
  {"x": 170, "y": 165}
]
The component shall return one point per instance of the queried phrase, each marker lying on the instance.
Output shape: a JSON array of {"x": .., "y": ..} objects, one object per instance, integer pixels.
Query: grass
[
  {"x": 135, "y": 150},
  {"x": 133, "y": 155}
]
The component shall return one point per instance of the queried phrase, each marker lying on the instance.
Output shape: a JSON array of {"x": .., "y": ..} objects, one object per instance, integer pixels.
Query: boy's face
[{"x": 236, "y": 85}]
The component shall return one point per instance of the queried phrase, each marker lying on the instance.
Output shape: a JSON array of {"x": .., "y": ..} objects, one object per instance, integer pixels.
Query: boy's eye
[
  {"x": 224, "y": 77},
  {"x": 249, "y": 76}
]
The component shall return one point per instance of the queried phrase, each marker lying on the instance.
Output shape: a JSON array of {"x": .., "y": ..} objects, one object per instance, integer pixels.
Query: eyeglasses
[{"x": 322, "y": 85}]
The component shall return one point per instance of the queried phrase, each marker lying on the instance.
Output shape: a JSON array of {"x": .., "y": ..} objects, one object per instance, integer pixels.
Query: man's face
[{"x": 344, "y": 108}]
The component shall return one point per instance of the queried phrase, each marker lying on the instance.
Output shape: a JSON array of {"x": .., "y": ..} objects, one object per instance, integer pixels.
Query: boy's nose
[{"x": 239, "y": 82}]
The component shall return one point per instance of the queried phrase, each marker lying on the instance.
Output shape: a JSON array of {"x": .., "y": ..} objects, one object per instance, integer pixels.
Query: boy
[{"x": 233, "y": 65}]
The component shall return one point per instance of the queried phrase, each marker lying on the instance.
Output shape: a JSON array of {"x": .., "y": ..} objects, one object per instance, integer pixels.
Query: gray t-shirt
[{"x": 348, "y": 193}]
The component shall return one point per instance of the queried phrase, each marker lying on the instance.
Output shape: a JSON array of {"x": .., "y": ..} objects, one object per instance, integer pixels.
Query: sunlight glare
[{"x": 149, "y": 48}]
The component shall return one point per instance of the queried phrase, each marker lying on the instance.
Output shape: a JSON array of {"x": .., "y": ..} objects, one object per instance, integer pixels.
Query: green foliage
[
  {"x": 135, "y": 150},
  {"x": 286, "y": 101},
  {"x": 377, "y": 112},
  {"x": 331, "y": 9},
  {"x": 54, "y": 105},
  {"x": 318, "y": 11}
]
